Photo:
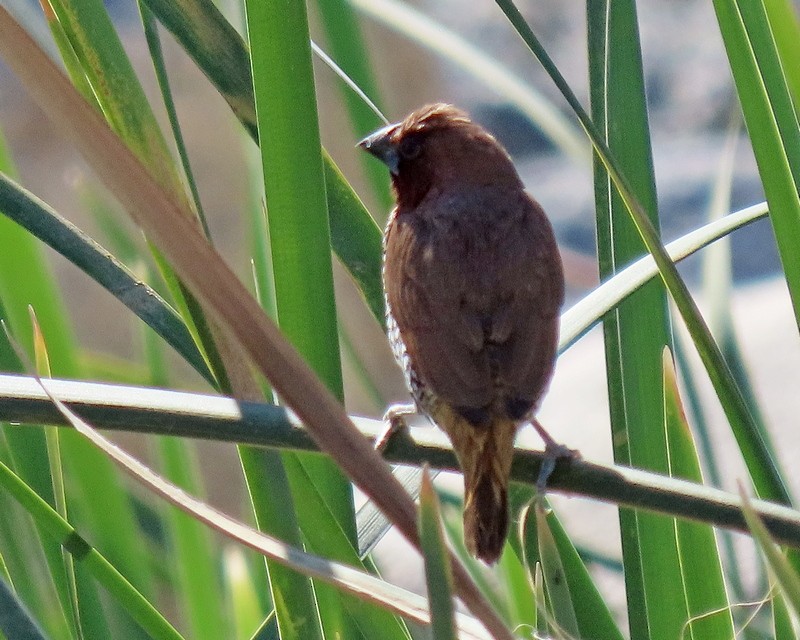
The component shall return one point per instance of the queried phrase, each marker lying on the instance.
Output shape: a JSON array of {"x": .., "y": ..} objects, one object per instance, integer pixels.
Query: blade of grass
[
  {"x": 52, "y": 438},
  {"x": 41, "y": 221},
  {"x": 637, "y": 332},
  {"x": 437, "y": 570},
  {"x": 587, "y": 312},
  {"x": 771, "y": 122},
  {"x": 701, "y": 567},
  {"x": 590, "y": 613},
  {"x": 223, "y": 56},
  {"x": 299, "y": 234}
]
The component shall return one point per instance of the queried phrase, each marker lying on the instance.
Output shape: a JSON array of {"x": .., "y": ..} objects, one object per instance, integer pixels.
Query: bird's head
[{"x": 439, "y": 146}]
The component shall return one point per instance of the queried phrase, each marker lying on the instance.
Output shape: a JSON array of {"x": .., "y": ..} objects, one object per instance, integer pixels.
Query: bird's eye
[{"x": 410, "y": 148}]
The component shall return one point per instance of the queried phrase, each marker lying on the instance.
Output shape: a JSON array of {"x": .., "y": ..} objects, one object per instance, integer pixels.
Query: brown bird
[{"x": 473, "y": 283}]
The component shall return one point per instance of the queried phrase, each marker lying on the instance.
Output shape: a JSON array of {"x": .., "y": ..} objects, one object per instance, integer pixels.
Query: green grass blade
[
  {"x": 771, "y": 122},
  {"x": 348, "y": 48},
  {"x": 59, "y": 530},
  {"x": 300, "y": 241},
  {"x": 637, "y": 333},
  {"x": 701, "y": 567},
  {"x": 437, "y": 567},
  {"x": 22, "y": 207},
  {"x": 592, "y": 615},
  {"x": 53, "y": 440},
  {"x": 222, "y": 55}
]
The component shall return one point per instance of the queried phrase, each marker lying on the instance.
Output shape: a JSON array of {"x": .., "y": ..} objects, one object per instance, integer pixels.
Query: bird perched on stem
[{"x": 473, "y": 283}]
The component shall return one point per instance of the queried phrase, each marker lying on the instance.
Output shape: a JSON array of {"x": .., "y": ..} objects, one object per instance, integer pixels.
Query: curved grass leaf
[{"x": 582, "y": 316}]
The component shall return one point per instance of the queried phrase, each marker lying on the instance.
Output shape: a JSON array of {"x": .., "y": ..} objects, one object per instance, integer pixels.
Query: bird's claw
[
  {"x": 395, "y": 421},
  {"x": 553, "y": 452}
]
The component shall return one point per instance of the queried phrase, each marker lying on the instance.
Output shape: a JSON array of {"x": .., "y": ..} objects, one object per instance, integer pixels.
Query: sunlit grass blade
[
  {"x": 589, "y": 613},
  {"x": 784, "y": 573},
  {"x": 771, "y": 119},
  {"x": 589, "y": 310},
  {"x": 700, "y": 567},
  {"x": 437, "y": 568},
  {"x": 42, "y": 364}
]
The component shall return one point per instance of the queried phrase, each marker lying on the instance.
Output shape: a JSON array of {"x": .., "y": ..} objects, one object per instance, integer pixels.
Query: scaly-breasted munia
[{"x": 474, "y": 283}]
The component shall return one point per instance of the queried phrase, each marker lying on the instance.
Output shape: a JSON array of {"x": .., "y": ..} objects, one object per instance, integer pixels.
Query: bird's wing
[{"x": 476, "y": 299}]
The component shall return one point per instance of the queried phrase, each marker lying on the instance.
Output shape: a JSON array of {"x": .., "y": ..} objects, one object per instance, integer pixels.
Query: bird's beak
[{"x": 380, "y": 145}]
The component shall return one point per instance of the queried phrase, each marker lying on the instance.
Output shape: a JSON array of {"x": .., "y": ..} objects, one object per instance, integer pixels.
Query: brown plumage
[{"x": 473, "y": 283}]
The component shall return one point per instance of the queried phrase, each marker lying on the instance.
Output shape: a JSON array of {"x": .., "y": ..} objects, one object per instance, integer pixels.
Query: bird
[{"x": 473, "y": 285}]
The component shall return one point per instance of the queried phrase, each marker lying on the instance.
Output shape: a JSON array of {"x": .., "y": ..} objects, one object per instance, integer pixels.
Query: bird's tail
[{"x": 485, "y": 455}]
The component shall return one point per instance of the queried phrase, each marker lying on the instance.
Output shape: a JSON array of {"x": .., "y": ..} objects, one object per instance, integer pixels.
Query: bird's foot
[
  {"x": 395, "y": 421},
  {"x": 553, "y": 452}
]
